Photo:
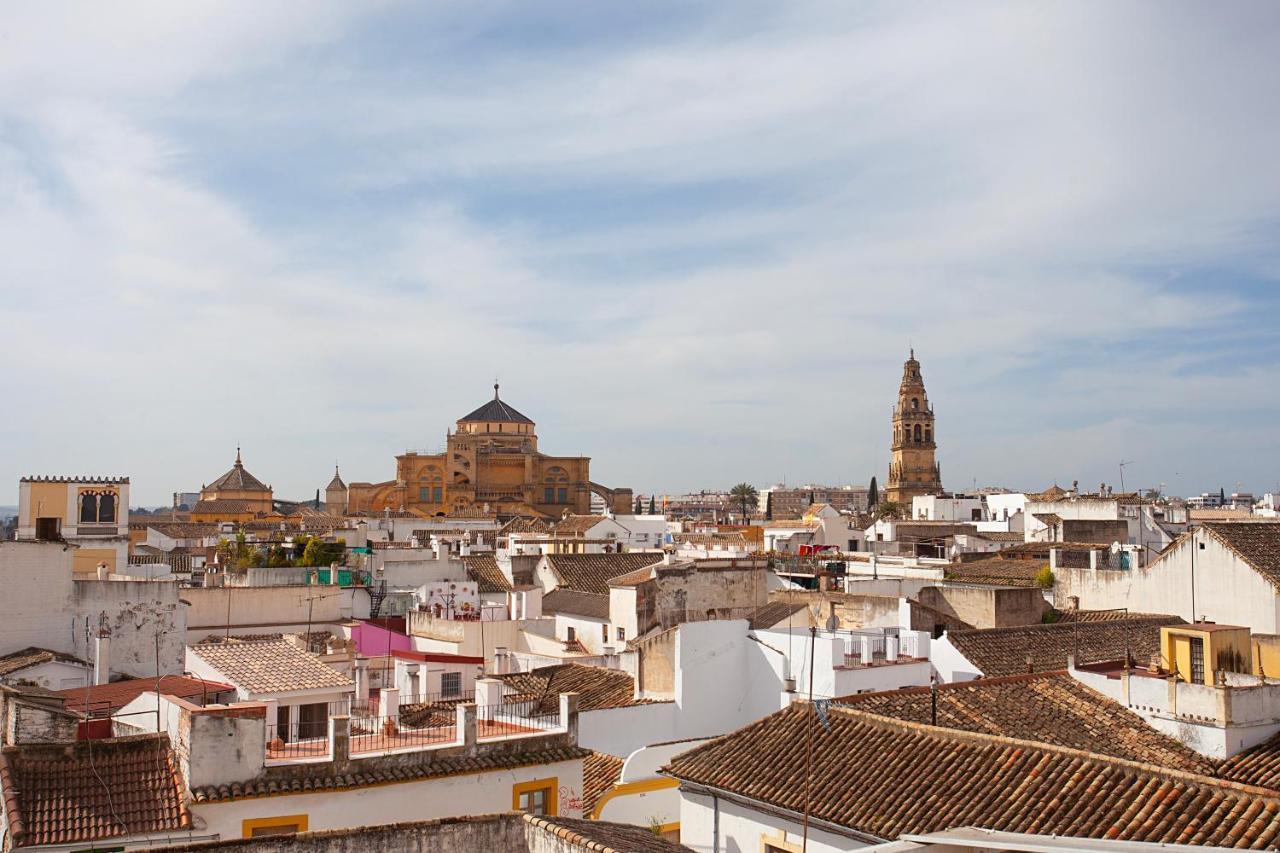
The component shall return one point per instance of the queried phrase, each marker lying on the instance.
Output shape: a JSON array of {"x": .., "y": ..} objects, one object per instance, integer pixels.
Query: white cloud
[{"x": 993, "y": 183}]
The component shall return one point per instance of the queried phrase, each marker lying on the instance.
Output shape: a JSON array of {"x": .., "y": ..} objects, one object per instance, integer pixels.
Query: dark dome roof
[
  {"x": 237, "y": 479},
  {"x": 495, "y": 411}
]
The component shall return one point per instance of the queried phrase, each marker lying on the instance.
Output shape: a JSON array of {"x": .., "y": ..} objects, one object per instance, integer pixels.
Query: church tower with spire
[{"x": 914, "y": 469}]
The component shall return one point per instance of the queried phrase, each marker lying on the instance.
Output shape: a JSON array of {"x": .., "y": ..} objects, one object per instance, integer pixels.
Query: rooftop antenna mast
[{"x": 1123, "y": 463}]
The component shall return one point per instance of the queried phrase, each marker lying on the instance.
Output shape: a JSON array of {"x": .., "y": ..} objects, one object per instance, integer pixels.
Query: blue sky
[{"x": 693, "y": 240}]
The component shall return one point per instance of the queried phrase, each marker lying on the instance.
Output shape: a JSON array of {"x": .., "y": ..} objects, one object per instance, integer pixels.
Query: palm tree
[{"x": 744, "y": 497}]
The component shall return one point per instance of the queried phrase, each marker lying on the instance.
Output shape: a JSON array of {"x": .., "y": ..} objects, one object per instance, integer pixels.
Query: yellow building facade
[
  {"x": 913, "y": 469},
  {"x": 491, "y": 464},
  {"x": 91, "y": 513}
]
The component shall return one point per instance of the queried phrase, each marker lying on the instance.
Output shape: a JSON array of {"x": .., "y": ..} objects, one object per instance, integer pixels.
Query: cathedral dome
[{"x": 495, "y": 412}]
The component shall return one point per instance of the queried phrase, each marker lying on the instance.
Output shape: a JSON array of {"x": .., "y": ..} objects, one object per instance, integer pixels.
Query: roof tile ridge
[
  {"x": 12, "y": 807},
  {"x": 982, "y": 737},
  {"x": 1152, "y": 619},
  {"x": 956, "y": 685}
]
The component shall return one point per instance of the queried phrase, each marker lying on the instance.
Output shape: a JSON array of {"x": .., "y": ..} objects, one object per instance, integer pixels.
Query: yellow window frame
[
  {"x": 298, "y": 821},
  {"x": 551, "y": 784}
]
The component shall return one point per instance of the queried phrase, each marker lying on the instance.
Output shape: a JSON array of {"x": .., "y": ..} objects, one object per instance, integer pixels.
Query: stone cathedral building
[
  {"x": 491, "y": 465},
  {"x": 914, "y": 469}
]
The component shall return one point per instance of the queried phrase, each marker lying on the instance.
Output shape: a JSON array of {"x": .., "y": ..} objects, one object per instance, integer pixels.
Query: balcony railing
[{"x": 511, "y": 719}]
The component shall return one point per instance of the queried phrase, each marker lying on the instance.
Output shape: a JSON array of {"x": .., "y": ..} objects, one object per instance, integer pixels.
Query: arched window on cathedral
[
  {"x": 928, "y": 434},
  {"x": 915, "y": 404},
  {"x": 917, "y": 433}
]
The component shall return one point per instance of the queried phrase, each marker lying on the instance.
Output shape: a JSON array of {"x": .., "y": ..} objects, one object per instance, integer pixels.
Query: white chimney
[
  {"x": 500, "y": 660},
  {"x": 489, "y": 691},
  {"x": 866, "y": 650},
  {"x": 890, "y": 648},
  {"x": 104, "y": 573},
  {"x": 415, "y": 680},
  {"x": 102, "y": 657},
  {"x": 362, "y": 680},
  {"x": 389, "y": 706}
]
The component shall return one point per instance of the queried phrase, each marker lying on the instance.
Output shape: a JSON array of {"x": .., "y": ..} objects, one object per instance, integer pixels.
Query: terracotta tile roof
[
  {"x": 176, "y": 529},
  {"x": 32, "y": 656},
  {"x": 91, "y": 790},
  {"x": 1047, "y": 707},
  {"x": 574, "y": 603},
  {"x": 776, "y": 612},
  {"x": 597, "y": 687},
  {"x": 709, "y": 539},
  {"x": 525, "y": 525},
  {"x": 1219, "y": 513},
  {"x": 925, "y": 529},
  {"x": 1005, "y": 651},
  {"x": 884, "y": 778},
  {"x": 1038, "y": 550},
  {"x": 996, "y": 571},
  {"x": 301, "y": 778},
  {"x": 1053, "y": 493},
  {"x": 599, "y": 773},
  {"x": 224, "y": 505},
  {"x": 1257, "y": 766},
  {"x": 271, "y": 666},
  {"x": 576, "y": 525},
  {"x": 604, "y": 837},
  {"x": 592, "y": 572},
  {"x": 1001, "y": 535},
  {"x": 483, "y": 569},
  {"x": 105, "y": 699},
  {"x": 635, "y": 578},
  {"x": 1109, "y": 615},
  {"x": 1255, "y": 542}
]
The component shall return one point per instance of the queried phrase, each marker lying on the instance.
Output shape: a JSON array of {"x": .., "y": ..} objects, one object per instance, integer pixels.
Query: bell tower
[{"x": 913, "y": 469}]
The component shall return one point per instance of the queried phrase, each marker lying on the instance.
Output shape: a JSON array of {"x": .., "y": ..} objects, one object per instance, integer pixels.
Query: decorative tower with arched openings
[{"x": 913, "y": 469}]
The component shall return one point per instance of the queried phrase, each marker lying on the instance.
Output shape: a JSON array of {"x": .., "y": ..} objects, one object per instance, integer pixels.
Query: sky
[{"x": 692, "y": 240}]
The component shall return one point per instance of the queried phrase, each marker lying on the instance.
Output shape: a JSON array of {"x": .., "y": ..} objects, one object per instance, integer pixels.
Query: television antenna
[{"x": 1123, "y": 464}]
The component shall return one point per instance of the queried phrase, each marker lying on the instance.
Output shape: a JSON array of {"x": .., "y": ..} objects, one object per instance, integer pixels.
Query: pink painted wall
[{"x": 372, "y": 639}]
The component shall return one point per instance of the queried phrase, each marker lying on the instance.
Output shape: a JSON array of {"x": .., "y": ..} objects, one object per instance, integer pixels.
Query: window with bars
[
  {"x": 451, "y": 683},
  {"x": 1197, "y": 660}
]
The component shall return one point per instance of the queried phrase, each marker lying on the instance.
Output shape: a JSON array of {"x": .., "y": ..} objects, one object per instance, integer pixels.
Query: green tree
[
  {"x": 1044, "y": 577},
  {"x": 744, "y": 497},
  {"x": 315, "y": 553},
  {"x": 887, "y": 509},
  {"x": 653, "y": 505},
  {"x": 768, "y": 507},
  {"x": 639, "y": 506},
  {"x": 873, "y": 493}
]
